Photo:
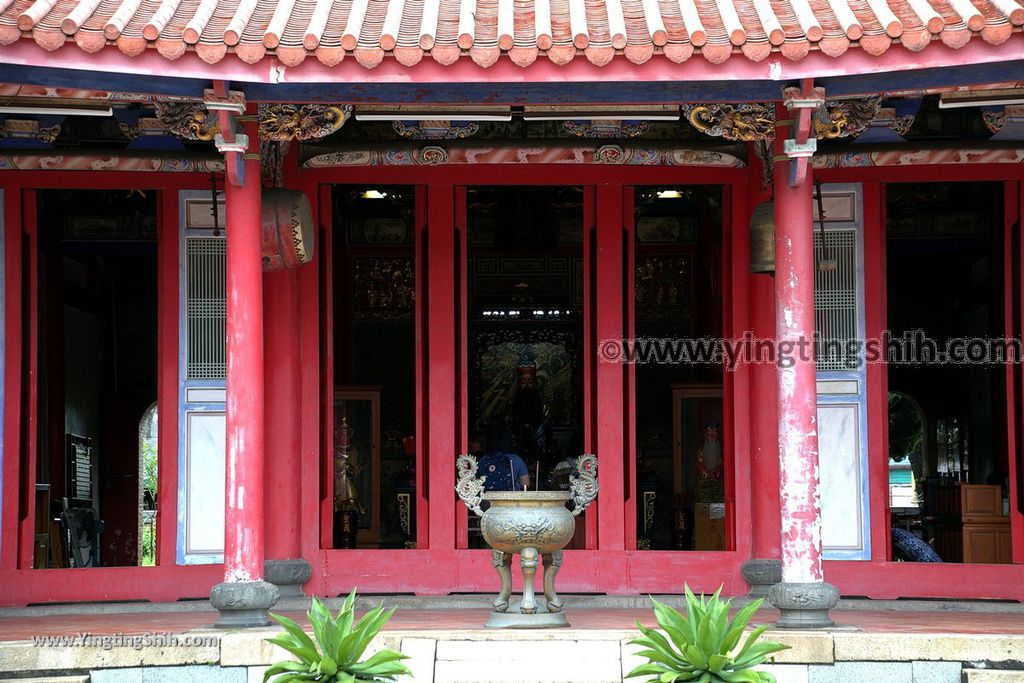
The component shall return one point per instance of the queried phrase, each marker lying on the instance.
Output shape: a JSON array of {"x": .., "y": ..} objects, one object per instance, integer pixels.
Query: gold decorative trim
[
  {"x": 188, "y": 120},
  {"x": 746, "y": 122},
  {"x": 846, "y": 118},
  {"x": 285, "y": 122}
]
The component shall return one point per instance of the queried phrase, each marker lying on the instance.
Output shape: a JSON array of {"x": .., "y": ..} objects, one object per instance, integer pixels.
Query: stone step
[{"x": 994, "y": 675}]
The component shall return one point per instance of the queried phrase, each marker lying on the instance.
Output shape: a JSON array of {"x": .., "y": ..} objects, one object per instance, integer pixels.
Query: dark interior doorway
[{"x": 97, "y": 321}]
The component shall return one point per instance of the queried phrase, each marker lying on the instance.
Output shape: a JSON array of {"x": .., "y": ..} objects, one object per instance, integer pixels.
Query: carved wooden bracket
[
  {"x": 846, "y": 118},
  {"x": 744, "y": 122}
]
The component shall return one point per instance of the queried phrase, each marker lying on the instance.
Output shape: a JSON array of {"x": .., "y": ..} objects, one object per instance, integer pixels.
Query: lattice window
[
  {"x": 835, "y": 300},
  {"x": 205, "y": 307}
]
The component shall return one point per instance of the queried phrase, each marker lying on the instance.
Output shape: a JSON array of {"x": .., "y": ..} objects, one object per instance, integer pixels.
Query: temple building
[{"x": 270, "y": 266}]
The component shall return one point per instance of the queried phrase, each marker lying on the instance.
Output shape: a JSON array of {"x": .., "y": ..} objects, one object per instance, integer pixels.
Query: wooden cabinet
[{"x": 986, "y": 531}]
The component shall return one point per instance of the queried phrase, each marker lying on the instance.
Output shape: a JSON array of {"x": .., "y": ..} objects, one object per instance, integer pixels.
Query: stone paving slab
[
  {"x": 906, "y": 647},
  {"x": 422, "y": 654},
  {"x": 993, "y": 676},
  {"x": 543, "y": 650},
  {"x": 527, "y": 671},
  {"x": 847, "y": 672},
  {"x": 937, "y": 672},
  {"x": 26, "y": 656}
]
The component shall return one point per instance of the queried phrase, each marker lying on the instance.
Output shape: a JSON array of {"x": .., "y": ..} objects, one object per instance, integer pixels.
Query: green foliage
[
  {"x": 148, "y": 546},
  {"x": 906, "y": 430},
  {"x": 704, "y": 646},
  {"x": 335, "y": 656}
]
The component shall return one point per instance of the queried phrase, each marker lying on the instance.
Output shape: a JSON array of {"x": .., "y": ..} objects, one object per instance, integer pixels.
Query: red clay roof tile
[{"x": 487, "y": 30}]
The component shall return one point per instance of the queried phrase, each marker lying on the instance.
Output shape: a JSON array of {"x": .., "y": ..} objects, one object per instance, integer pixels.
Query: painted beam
[{"x": 658, "y": 81}]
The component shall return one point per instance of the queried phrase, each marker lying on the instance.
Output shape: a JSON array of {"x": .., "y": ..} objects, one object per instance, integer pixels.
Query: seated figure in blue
[{"x": 503, "y": 469}]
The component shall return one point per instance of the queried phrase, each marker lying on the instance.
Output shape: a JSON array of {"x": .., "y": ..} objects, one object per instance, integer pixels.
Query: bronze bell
[{"x": 762, "y": 238}]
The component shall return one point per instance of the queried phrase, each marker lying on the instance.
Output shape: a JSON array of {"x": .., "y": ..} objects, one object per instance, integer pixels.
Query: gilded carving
[
  {"x": 29, "y": 129},
  {"x": 283, "y": 122},
  {"x": 901, "y": 124},
  {"x": 745, "y": 122},
  {"x": 606, "y": 129},
  {"x": 130, "y": 131},
  {"x": 994, "y": 120},
  {"x": 436, "y": 130},
  {"x": 846, "y": 118},
  {"x": 188, "y": 120}
]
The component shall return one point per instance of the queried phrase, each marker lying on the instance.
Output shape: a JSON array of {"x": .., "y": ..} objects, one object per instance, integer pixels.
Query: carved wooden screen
[
  {"x": 205, "y": 304},
  {"x": 835, "y": 299}
]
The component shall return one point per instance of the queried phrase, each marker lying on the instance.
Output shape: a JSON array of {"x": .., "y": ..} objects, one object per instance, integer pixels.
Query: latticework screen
[
  {"x": 205, "y": 307},
  {"x": 835, "y": 300}
]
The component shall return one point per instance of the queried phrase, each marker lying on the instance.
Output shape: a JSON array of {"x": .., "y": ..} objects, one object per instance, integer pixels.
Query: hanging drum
[
  {"x": 287, "y": 222},
  {"x": 762, "y": 238}
]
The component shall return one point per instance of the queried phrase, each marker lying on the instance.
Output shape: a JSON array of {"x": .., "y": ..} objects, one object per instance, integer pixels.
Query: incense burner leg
[
  {"x": 552, "y": 563},
  {"x": 503, "y": 565},
  {"x": 528, "y": 561}
]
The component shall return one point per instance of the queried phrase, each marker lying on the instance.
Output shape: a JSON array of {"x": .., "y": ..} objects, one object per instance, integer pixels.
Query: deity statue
[
  {"x": 709, "y": 457},
  {"x": 529, "y": 414}
]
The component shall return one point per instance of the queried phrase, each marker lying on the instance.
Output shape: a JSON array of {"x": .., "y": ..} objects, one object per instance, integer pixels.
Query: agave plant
[
  {"x": 704, "y": 646},
  {"x": 335, "y": 656}
]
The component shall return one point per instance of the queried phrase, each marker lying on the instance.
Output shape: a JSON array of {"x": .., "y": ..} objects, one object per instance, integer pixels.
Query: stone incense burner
[{"x": 535, "y": 524}]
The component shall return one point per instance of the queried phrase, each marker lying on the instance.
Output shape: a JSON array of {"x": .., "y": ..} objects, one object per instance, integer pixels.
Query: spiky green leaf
[
  {"x": 673, "y": 624},
  {"x": 294, "y": 630},
  {"x": 288, "y": 644}
]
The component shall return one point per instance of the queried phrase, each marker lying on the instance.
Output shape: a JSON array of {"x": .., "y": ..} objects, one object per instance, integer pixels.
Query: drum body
[{"x": 287, "y": 227}]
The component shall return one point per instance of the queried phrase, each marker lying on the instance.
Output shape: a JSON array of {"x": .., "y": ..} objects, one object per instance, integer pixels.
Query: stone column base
[
  {"x": 243, "y": 603},
  {"x": 804, "y": 605},
  {"x": 288, "y": 576},
  {"x": 761, "y": 575}
]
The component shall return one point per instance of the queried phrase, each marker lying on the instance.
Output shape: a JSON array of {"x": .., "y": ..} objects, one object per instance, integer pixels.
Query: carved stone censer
[{"x": 535, "y": 524}]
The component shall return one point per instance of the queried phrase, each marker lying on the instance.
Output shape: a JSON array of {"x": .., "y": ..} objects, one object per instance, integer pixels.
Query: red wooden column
[
  {"x": 12, "y": 407},
  {"x": 284, "y": 566},
  {"x": 244, "y": 597},
  {"x": 284, "y": 337},
  {"x": 442, "y": 351},
  {"x": 763, "y": 570},
  {"x": 802, "y": 597},
  {"x": 611, "y": 445}
]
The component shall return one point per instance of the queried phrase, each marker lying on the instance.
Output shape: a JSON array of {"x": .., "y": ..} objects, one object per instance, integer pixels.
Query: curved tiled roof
[{"x": 484, "y": 30}]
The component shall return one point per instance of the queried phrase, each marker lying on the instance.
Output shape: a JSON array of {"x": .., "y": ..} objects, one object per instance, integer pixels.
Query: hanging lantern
[
  {"x": 762, "y": 238},
  {"x": 287, "y": 229}
]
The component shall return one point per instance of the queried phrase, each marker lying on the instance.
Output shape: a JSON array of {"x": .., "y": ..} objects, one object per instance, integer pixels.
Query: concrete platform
[{"x": 958, "y": 642}]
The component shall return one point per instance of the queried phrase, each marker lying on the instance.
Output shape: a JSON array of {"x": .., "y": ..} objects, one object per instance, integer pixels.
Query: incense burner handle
[
  {"x": 583, "y": 484},
  {"x": 469, "y": 487}
]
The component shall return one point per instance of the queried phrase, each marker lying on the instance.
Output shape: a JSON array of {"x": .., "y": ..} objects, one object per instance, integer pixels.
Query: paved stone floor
[{"x": 963, "y": 621}]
